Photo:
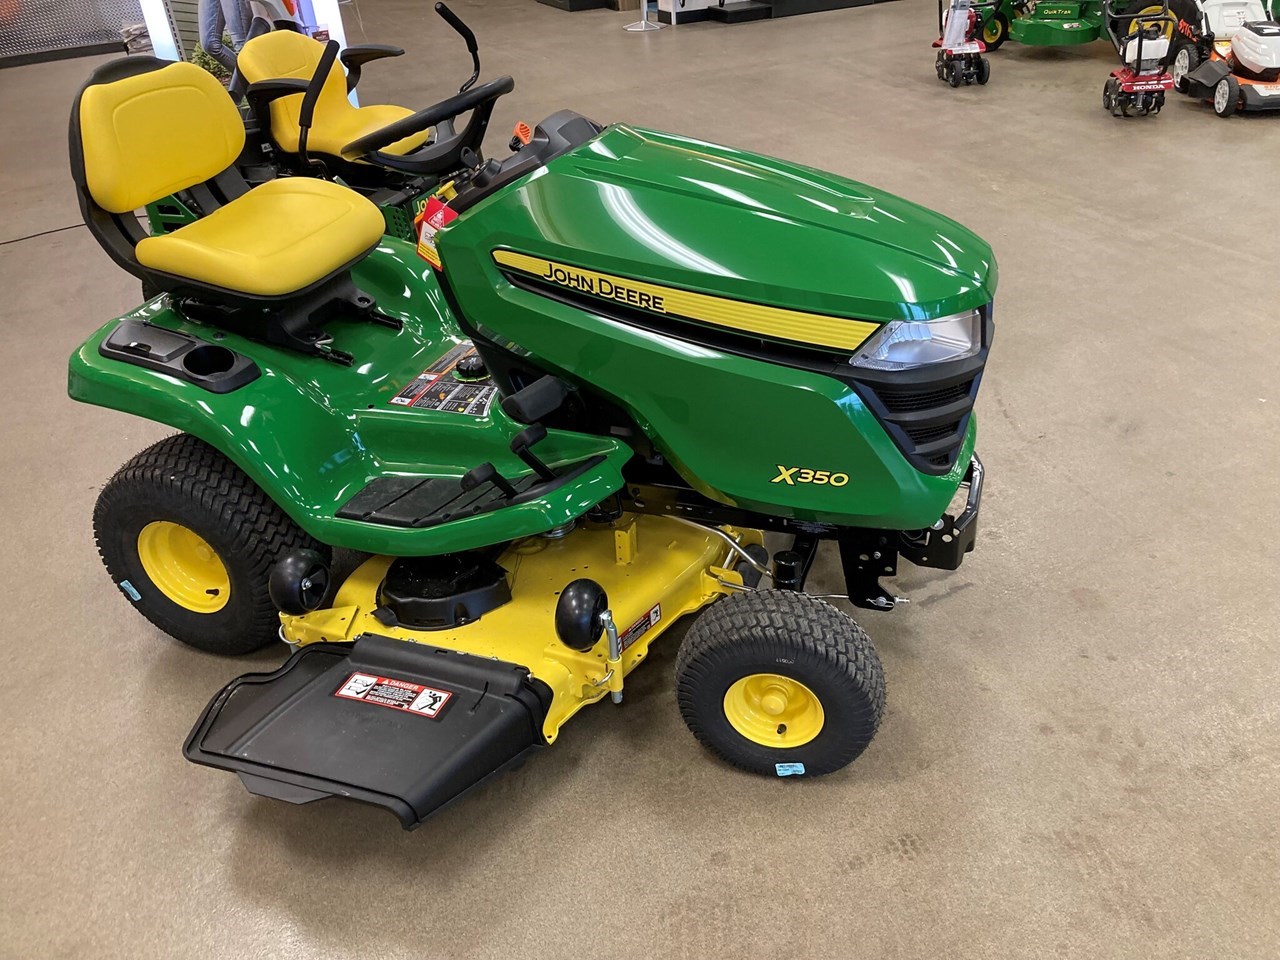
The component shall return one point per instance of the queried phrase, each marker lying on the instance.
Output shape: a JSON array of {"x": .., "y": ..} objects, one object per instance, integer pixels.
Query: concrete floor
[{"x": 1081, "y": 754}]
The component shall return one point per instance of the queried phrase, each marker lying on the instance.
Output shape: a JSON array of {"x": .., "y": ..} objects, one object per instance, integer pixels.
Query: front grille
[
  {"x": 927, "y": 419},
  {"x": 909, "y": 401},
  {"x": 922, "y": 436}
]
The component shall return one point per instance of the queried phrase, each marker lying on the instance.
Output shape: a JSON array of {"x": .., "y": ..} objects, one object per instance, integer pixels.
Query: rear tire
[
  {"x": 752, "y": 652},
  {"x": 954, "y": 74},
  {"x": 1184, "y": 61},
  {"x": 1226, "y": 96},
  {"x": 984, "y": 71},
  {"x": 191, "y": 540}
]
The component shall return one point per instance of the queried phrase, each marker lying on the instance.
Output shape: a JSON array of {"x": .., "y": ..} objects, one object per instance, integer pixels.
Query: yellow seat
[
  {"x": 143, "y": 129},
  {"x": 284, "y": 54},
  {"x": 280, "y": 237}
]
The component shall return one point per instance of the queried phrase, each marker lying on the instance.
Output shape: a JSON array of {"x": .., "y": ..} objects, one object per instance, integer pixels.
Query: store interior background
[{"x": 1080, "y": 756}]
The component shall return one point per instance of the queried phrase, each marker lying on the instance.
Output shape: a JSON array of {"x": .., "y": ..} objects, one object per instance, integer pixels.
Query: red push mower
[
  {"x": 1141, "y": 39},
  {"x": 959, "y": 44}
]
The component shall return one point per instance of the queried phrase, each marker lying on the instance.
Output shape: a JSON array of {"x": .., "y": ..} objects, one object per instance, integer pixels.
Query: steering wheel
[{"x": 480, "y": 99}]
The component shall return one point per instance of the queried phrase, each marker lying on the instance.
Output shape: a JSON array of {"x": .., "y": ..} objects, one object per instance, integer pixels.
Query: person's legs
[
  {"x": 212, "y": 23},
  {"x": 238, "y": 15}
]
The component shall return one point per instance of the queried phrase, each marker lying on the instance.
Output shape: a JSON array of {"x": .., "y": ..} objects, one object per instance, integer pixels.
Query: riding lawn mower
[{"x": 639, "y": 377}]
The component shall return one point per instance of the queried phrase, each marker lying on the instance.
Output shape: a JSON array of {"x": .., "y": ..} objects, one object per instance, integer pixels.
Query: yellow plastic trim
[
  {"x": 797, "y": 326},
  {"x": 184, "y": 567},
  {"x": 676, "y": 570},
  {"x": 773, "y": 710}
]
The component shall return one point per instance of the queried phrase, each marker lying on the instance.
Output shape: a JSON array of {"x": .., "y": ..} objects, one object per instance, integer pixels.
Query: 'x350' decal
[{"x": 794, "y": 475}]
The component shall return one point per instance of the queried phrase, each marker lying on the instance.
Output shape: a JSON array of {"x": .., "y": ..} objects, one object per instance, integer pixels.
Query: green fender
[{"x": 312, "y": 433}]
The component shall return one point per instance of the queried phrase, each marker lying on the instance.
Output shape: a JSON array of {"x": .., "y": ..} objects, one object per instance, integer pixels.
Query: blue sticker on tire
[
  {"x": 789, "y": 769},
  {"x": 130, "y": 591}
]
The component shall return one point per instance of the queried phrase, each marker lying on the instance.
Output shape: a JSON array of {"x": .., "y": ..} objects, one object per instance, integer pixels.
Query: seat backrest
[
  {"x": 142, "y": 129},
  {"x": 284, "y": 54}
]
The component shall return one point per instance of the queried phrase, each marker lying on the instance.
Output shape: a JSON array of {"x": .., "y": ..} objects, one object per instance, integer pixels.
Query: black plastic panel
[
  {"x": 208, "y": 365},
  {"x": 316, "y": 728}
]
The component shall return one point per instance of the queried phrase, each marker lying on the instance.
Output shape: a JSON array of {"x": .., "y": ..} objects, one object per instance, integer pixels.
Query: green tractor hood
[{"x": 690, "y": 215}]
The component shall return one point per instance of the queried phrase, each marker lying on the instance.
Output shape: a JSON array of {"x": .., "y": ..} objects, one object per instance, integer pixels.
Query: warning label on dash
[
  {"x": 640, "y": 627},
  {"x": 397, "y": 694},
  {"x": 439, "y": 388}
]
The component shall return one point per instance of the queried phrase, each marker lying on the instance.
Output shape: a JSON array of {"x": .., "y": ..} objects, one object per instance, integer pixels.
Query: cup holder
[{"x": 208, "y": 360}]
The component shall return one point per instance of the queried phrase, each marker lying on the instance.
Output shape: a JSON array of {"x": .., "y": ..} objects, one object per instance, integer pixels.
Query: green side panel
[
  {"x": 399, "y": 220},
  {"x": 1059, "y": 24},
  {"x": 706, "y": 218},
  {"x": 313, "y": 433}
]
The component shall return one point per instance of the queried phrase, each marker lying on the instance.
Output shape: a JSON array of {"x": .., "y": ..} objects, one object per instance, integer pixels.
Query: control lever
[
  {"x": 521, "y": 136},
  {"x": 486, "y": 473},
  {"x": 539, "y": 399},
  {"x": 521, "y": 444},
  {"x": 453, "y": 20}
]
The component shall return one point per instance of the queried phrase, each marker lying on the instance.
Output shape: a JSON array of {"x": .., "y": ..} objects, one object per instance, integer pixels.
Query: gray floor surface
[{"x": 1080, "y": 756}]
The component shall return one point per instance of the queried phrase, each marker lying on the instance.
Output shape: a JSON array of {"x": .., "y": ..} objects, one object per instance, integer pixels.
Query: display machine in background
[
  {"x": 32, "y": 31},
  {"x": 742, "y": 11},
  {"x": 35, "y": 30}
]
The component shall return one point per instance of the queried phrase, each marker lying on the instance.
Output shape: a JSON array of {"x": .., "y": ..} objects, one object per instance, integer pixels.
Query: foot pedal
[{"x": 406, "y": 726}]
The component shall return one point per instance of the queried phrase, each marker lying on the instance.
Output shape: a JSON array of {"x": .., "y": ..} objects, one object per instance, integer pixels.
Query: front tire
[
  {"x": 995, "y": 32},
  {"x": 780, "y": 683},
  {"x": 1110, "y": 94},
  {"x": 191, "y": 540},
  {"x": 1226, "y": 96},
  {"x": 984, "y": 71}
]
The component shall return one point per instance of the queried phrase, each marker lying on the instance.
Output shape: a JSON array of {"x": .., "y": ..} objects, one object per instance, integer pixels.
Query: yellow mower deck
[{"x": 654, "y": 569}]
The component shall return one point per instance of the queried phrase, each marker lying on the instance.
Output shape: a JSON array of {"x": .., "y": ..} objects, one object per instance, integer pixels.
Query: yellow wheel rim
[
  {"x": 773, "y": 710},
  {"x": 1166, "y": 29},
  {"x": 184, "y": 567},
  {"x": 993, "y": 31}
]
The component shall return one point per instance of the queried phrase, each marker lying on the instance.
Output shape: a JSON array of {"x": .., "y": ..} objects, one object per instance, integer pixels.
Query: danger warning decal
[
  {"x": 640, "y": 627},
  {"x": 396, "y": 694},
  {"x": 439, "y": 388}
]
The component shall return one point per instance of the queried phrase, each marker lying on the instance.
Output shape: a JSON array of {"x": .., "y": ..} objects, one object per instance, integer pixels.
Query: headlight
[{"x": 906, "y": 344}]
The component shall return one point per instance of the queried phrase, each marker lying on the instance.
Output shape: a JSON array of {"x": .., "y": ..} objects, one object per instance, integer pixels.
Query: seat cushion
[
  {"x": 277, "y": 239},
  {"x": 340, "y": 129}
]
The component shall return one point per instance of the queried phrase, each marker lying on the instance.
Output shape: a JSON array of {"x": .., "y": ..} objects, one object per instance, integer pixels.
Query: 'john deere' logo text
[{"x": 602, "y": 287}]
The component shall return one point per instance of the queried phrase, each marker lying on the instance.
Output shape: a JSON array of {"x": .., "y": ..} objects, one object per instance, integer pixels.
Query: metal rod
[
  {"x": 615, "y": 650},
  {"x": 733, "y": 545}
]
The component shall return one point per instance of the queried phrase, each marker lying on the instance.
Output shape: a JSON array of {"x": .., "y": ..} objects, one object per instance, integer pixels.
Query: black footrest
[
  {"x": 430, "y": 501},
  {"x": 406, "y": 726}
]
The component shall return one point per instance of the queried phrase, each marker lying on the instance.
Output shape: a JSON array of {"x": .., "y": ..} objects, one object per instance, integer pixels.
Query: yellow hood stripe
[{"x": 814, "y": 329}]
